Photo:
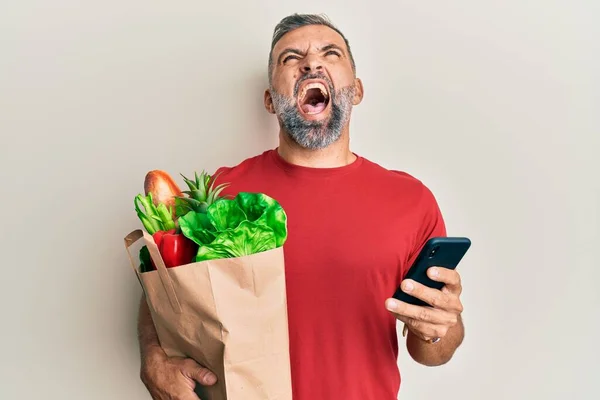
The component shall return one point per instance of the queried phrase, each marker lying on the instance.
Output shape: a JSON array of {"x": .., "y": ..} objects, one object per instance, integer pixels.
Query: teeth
[{"x": 315, "y": 85}]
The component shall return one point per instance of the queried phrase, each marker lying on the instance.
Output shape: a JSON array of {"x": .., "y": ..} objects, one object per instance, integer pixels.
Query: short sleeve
[{"x": 430, "y": 223}]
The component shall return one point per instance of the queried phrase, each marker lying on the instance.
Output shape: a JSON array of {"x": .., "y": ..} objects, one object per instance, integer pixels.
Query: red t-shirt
[{"x": 353, "y": 231}]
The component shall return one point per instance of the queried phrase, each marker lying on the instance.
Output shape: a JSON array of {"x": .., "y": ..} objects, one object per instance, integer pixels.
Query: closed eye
[
  {"x": 291, "y": 56},
  {"x": 332, "y": 52}
]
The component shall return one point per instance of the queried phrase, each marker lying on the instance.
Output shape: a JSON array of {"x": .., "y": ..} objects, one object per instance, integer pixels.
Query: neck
[{"x": 337, "y": 154}]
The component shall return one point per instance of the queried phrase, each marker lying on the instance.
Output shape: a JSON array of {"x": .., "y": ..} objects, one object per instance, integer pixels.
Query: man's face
[{"x": 313, "y": 86}]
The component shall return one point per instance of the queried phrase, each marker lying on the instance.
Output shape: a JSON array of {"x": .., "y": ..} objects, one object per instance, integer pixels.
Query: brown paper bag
[{"x": 229, "y": 315}]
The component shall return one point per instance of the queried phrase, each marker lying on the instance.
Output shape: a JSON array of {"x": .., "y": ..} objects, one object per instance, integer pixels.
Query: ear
[
  {"x": 269, "y": 102},
  {"x": 359, "y": 93}
]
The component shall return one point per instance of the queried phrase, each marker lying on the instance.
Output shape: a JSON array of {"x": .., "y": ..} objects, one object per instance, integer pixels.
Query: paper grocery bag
[{"x": 229, "y": 315}]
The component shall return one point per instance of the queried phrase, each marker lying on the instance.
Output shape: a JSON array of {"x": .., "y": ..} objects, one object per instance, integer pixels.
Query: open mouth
[{"x": 314, "y": 98}]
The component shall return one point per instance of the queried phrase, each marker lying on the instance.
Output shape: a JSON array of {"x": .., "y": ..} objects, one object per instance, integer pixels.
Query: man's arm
[
  {"x": 152, "y": 354},
  {"x": 166, "y": 377},
  {"x": 434, "y": 354},
  {"x": 434, "y": 332},
  {"x": 147, "y": 336}
]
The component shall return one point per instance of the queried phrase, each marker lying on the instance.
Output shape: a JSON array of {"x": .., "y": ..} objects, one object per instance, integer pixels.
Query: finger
[
  {"x": 202, "y": 375},
  {"x": 450, "y": 277},
  {"x": 433, "y": 297},
  {"x": 425, "y": 330},
  {"x": 404, "y": 311}
]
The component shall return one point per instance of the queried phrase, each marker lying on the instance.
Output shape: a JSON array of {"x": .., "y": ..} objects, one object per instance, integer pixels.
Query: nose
[{"x": 312, "y": 64}]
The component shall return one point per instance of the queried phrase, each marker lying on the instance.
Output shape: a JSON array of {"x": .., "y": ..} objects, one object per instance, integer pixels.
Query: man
[{"x": 354, "y": 230}]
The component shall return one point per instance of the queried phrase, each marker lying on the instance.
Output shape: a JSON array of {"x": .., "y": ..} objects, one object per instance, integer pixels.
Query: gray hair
[{"x": 296, "y": 21}]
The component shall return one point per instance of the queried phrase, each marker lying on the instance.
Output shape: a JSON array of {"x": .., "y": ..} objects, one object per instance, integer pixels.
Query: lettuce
[{"x": 247, "y": 224}]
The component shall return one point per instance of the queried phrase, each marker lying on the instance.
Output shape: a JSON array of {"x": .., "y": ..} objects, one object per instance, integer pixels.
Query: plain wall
[{"x": 493, "y": 104}]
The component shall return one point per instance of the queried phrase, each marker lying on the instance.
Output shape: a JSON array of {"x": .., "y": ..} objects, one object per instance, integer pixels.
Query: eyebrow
[
  {"x": 300, "y": 53},
  {"x": 288, "y": 50},
  {"x": 333, "y": 46}
]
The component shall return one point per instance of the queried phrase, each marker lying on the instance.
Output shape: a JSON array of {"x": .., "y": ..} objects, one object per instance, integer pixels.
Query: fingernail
[
  {"x": 210, "y": 379},
  {"x": 391, "y": 305},
  {"x": 434, "y": 272},
  {"x": 408, "y": 286}
]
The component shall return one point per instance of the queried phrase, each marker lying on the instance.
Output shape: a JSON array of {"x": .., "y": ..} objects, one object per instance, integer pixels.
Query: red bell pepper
[{"x": 175, "y": 249}]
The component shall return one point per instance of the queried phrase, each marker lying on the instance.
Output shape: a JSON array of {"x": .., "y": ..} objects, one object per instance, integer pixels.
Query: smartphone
[{"x": 446, "y": 252}]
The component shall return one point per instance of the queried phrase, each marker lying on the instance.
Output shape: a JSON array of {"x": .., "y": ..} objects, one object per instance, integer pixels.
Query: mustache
[{"x": 314, "y": 76}]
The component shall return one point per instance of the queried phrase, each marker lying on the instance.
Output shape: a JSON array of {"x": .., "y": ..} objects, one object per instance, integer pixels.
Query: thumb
[{"x": 202, "y": 375}]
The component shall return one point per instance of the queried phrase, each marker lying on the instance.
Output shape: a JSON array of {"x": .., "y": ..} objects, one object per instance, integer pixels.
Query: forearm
[
  {"x": 434, "y": 354},
  {"x": 147, "y": 336}
]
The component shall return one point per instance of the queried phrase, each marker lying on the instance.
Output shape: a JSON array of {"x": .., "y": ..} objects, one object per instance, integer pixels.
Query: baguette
[{"x": 163, "y": 188}]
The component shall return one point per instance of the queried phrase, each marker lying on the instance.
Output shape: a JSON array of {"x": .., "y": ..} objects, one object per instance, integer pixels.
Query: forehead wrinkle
[{"x": 324, "y": 37}]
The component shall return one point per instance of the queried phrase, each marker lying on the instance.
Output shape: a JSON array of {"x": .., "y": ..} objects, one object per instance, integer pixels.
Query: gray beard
[{"x": 314, "y": 134}]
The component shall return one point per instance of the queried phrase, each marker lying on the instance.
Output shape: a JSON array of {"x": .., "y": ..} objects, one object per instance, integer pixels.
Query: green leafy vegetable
[
  {"x": 248, "y": 224},
  {"x": 197, "y": 227},
  {"x": 145, "y": 260},
  {"x": 264, "y": 210},
  {"x": 225, "y": 214},
  {"x": 247, "y": 238},
  {"x": 155, "y": 218}
]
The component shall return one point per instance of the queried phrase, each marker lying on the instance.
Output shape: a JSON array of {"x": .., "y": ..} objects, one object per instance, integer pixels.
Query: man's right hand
[{"x": 173, "y": 378}]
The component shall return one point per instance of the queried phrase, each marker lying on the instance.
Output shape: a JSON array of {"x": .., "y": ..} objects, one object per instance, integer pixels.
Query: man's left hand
[{"x": 430, "y": 323}]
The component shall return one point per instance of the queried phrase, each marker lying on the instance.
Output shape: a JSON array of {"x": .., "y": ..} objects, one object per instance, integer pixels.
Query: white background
[{"x": 493, "y": 104}]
